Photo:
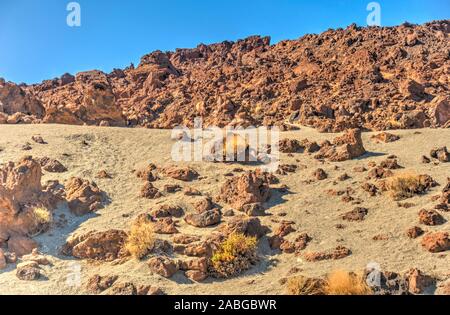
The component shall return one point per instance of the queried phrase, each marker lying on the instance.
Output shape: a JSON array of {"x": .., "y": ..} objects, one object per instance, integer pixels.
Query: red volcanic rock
[
  {"x": 185, "y": 174},
  {"x": 249, "y": 188},
  {"x": 414, "y": 232},
  {"x": 336, "y": 253},
  {"x": 21, "y": 192},
  {"x": 203, "y": 219},
  {"x": 345, "y": 147},
  {"x": 385, "y": 137},
  {"x": 290, "y": 146},
  {"x": 441, "y": 154},
  {"x": 103, "y": 246},
  {"x": 436, "y": 242},
  {"x": 14, "y": 99},
  {"x": 430, "y": 217},
  {"x": 52, "y": 165},
  {"x": 163, "y": 266},
  {"x": 252, "y": 82},
  {"x": 83, "y": 196},
  {"x": 149, "y": 191}
]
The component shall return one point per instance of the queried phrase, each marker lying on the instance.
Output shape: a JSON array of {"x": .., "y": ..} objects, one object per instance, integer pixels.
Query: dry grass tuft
[
  {"x": 406, "y": 185},
  {"x": 346, "y": 283},
  {"x": 141, "y": 239},
  {"x": 301, "y": 285},
  {"x": 236, "y": 254},
  {"x": 336, "y": 283},
  {"x": 42, "y": 218}
]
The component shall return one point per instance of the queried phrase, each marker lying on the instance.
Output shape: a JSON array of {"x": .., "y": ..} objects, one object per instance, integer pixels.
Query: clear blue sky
[{"x": 37, "y": 44}]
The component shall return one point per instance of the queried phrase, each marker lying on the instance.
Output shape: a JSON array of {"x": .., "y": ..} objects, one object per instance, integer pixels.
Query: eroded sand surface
[{"x": 87, "y": 150}]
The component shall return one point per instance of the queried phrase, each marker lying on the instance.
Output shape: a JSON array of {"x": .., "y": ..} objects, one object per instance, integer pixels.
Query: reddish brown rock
[
  {"x": 385, "y": 137},
  {"x": 163, "y": 266},
  {"x": 103, "y": 246},
  {"x": 345, "y": 147},
  {"x": 414, "y": 232},
  {"x": 52, "y": 165},
  {"x": 436, "y": 242},
  {"x": 417, "y": 281},
  {"x": 83, "y": 196},
  {"x": 336, "y": 253},
  {"x": 358, "y": 214},
  {"x": 149, "y": 191},
  {"x": 290, "y": 146},
  {"x": 204, "y": 219},
  {"x": 441, "y": 154},
  {"x": 248, "y": 188},
  {"x": 167, "y": 210},
  {"x": 430, "y": 217},
  {"x": 181, "y": 173},
  {"x": 320, "y": 174},
  {"x": 97, "y": 284},
  {"x": 244, "y": 225},
  {"x": 2, "y": 260}
]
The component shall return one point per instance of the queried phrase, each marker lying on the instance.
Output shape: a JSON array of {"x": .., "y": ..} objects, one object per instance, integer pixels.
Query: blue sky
[{"x": 37, "y": 44}]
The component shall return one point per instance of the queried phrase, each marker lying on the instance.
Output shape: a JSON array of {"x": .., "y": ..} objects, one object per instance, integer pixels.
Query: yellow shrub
[
  {"x": 43, "y": 216},
  {"x": 346, "y": 283},
  {"x": 406, "y": 185},
  {"x": 301, "y": 285},
  {"x": 236, "y": 254},
  {"x": 42, "y": 220},
  {"x": 140, "y": 240}
]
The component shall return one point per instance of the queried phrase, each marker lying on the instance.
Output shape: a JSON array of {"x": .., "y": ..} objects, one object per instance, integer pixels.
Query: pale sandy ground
[{"x": 120, "y": 151}]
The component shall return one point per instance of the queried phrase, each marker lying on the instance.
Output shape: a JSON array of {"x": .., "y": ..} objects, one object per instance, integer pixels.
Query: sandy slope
[{"x": 120, "y": 151}]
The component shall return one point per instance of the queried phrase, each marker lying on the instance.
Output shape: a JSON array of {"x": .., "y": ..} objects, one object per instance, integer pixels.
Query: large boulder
[
  {"x": 345, "y": 147},
  {"x": 83, "y": 196},
  {"x": 13, "y": 99},
  {"x": 249, "y": 188},
  {"x": 102, "y": 246}
]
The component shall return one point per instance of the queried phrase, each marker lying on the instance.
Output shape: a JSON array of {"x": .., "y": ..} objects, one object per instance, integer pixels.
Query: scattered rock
[
  {"x": 149, "y": 191},
  {"x": 204, "y": 219},
  {"x": 430, "y": 217},
  {"x": 320, "y": 174},
  {"x": 167, "y": 210},
  {"x": 28, "y": 271},
  {"x": 336, "y": 253},
  {"x": 414, "y": 232},
  {"x": 52, "y": 165},
  {"x": 358, "y": 214},
  {"x": 346, "y": 147},
  {"x": 163, "y": 266},
  {"x": 102, "y": 246},
  {"x": 436, "y": 242},
  {"x": 441, "y": 154},
  {"x": 83, "y": 196},
  {"x": 181, "y": 173},
  {"x": 385, "y": 137},
  {"x": 248, "y": 188}
]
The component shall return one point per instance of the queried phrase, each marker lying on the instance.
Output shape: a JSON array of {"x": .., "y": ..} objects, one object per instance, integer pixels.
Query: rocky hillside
[{"x": 374, "y": 78}]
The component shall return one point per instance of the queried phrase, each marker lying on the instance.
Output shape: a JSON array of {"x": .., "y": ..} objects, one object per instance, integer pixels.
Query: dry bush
[
  {"x": 406, "y": 185},
  {"x": 346, "y": 283},
  {"x": 141, "y": 239},
  {"x": 301, "y": 285},
  {"x": 42, "y": 219},
  {"x": 235, "y": 254}
]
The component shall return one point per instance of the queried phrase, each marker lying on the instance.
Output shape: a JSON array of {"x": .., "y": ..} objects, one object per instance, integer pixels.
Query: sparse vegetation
[
  {"x": 140, "y": 240},
  {"x": 236, "y": 254},
  {"x": 406, "y": 185},
  {"x": 42, "y": 218},
  {"x": 338, "y": 282},
  {"x": 346, "y": 283}
]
